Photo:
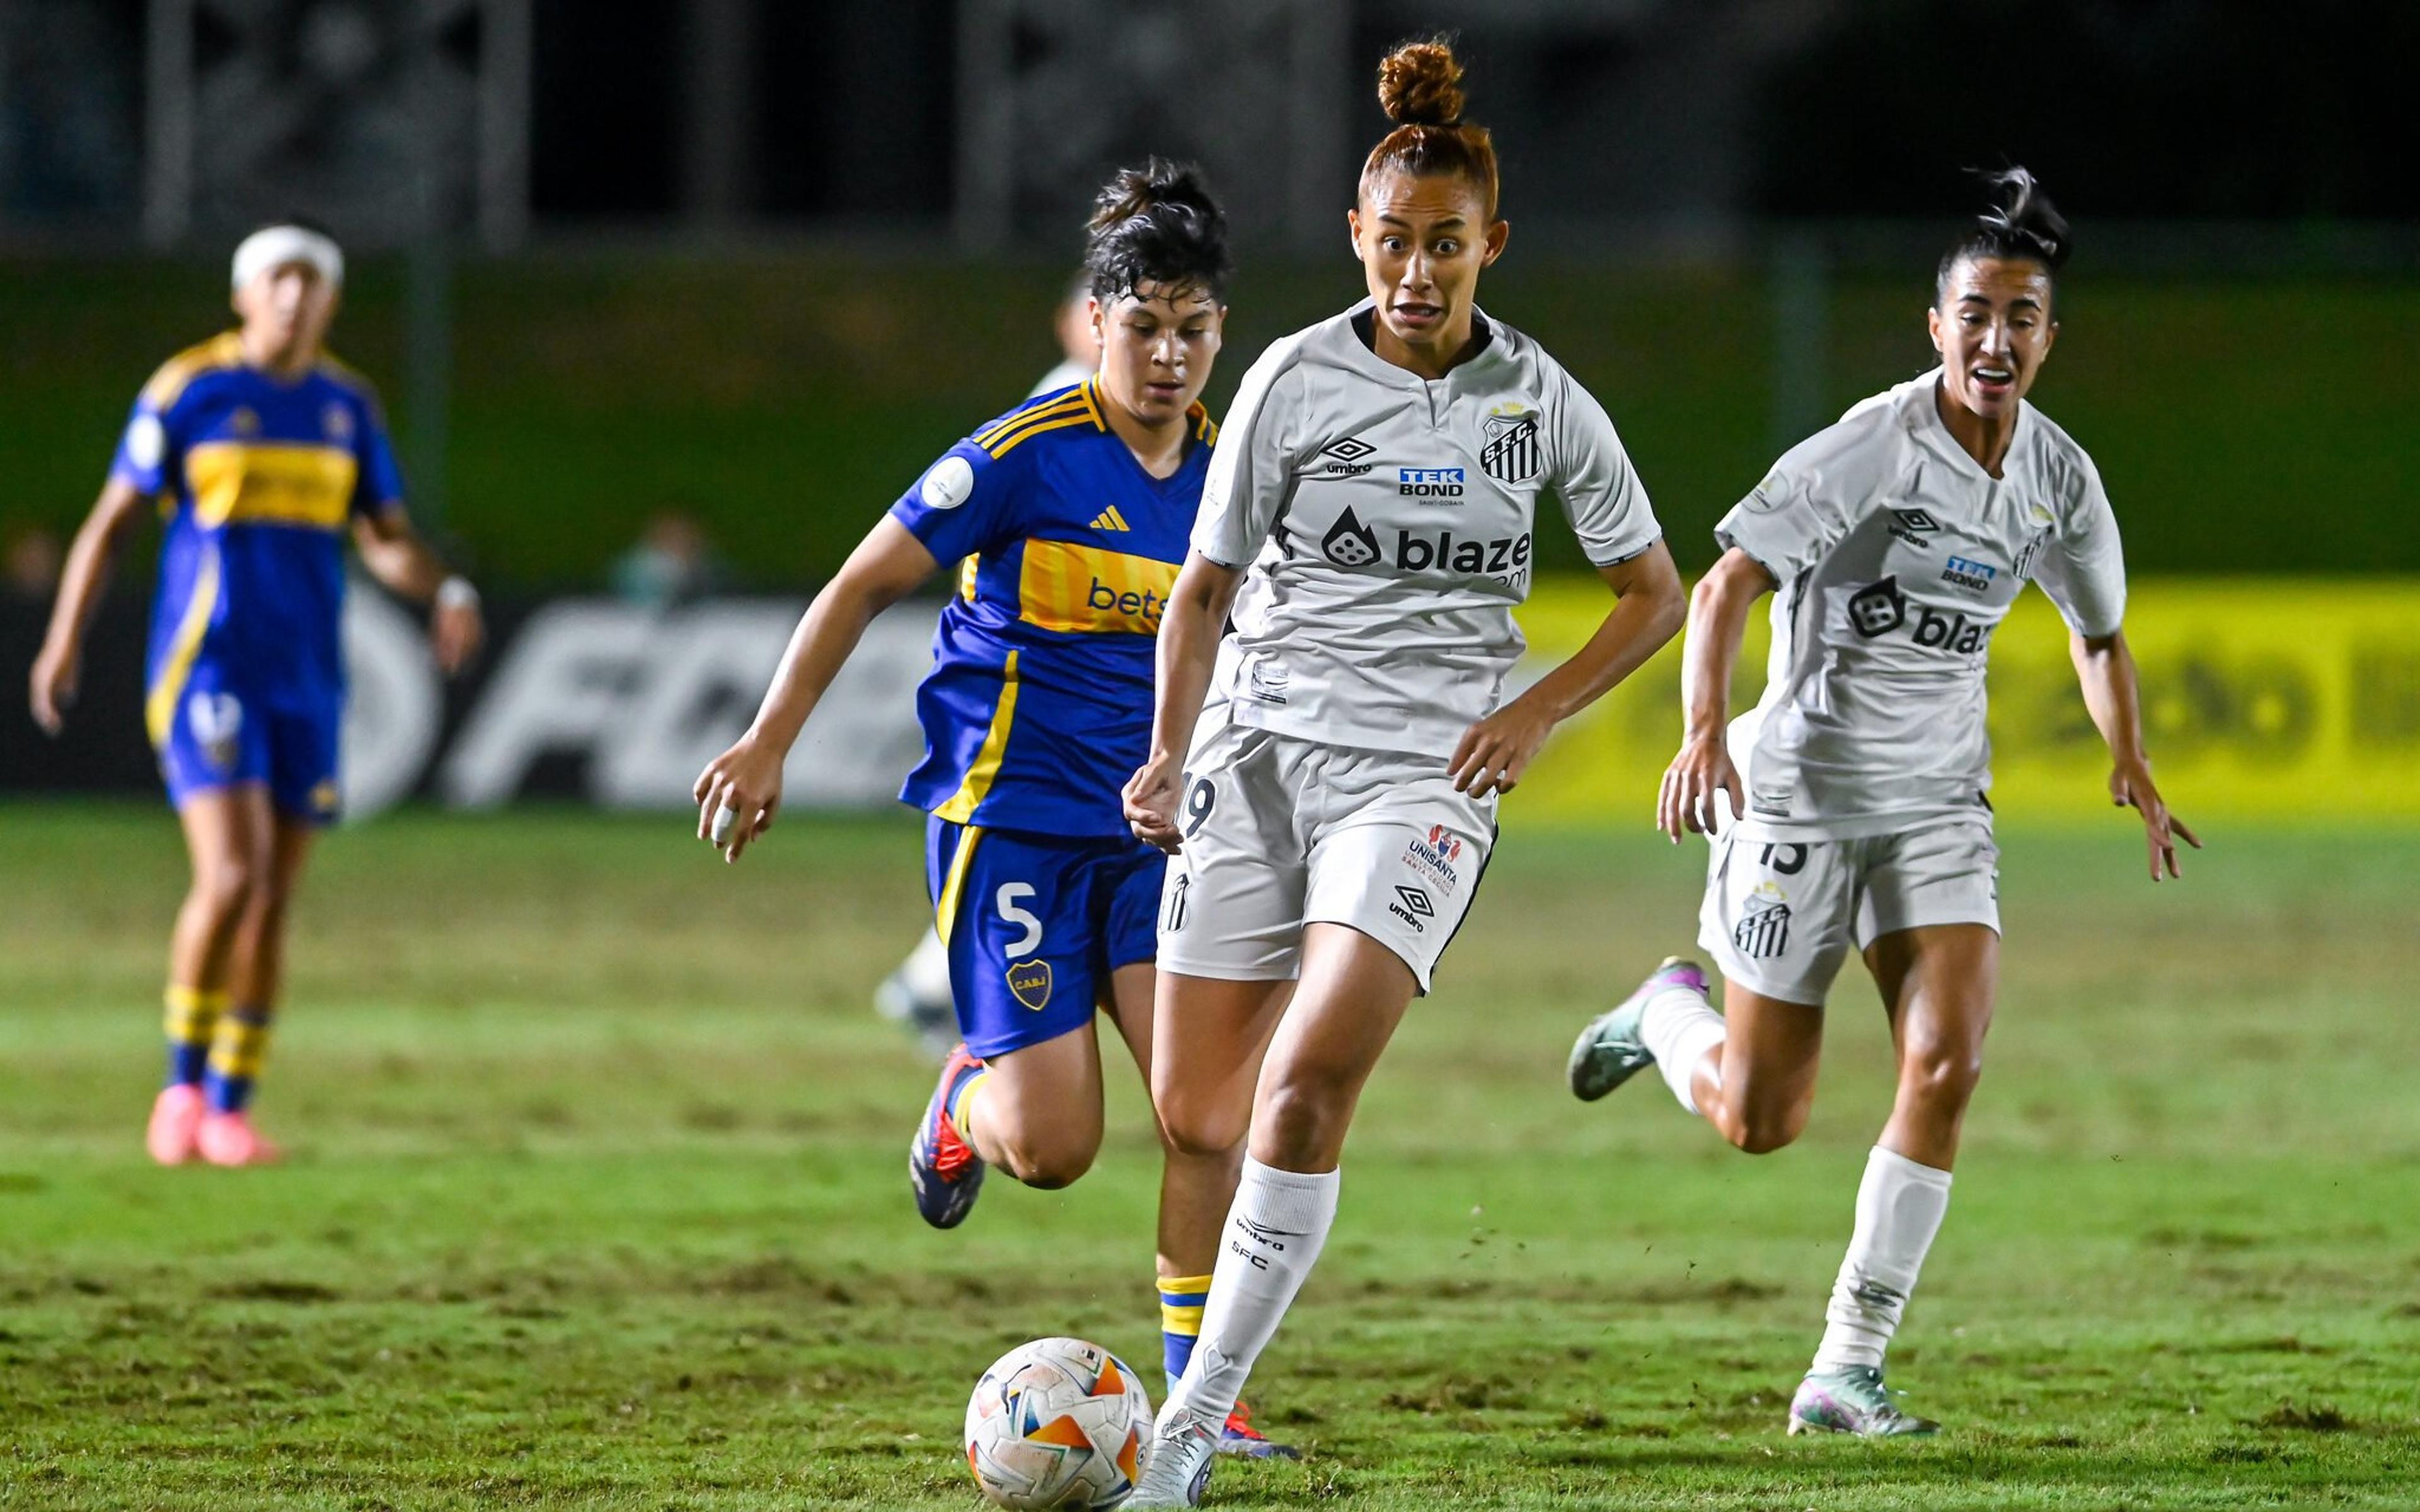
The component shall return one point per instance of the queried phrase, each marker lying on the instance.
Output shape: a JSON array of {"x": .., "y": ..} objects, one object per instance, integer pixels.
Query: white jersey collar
[
  {"x": 1372, "y": 365},
  {"x": 1929, "y": 396}
]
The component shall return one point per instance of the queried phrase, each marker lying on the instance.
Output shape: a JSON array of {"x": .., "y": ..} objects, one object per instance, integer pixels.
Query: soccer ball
[{"x": 1057, "y": 1423}]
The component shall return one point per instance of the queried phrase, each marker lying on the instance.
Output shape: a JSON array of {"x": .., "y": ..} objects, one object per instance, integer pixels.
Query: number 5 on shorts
[{"x": 1008, "y": 900}]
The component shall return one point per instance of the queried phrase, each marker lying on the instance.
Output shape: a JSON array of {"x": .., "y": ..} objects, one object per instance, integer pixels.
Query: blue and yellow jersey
[
  {"x": 1038, "y": 706},
  {"x": 258, "y": 478}
]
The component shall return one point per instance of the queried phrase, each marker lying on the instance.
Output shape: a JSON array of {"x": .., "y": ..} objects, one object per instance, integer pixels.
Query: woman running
[
  {"x": 263, "y": 451},
  {"x": 1897, "y": 538},
  {"x": 1368, "y": 522},
  {"x": 1071, "y": 513}
]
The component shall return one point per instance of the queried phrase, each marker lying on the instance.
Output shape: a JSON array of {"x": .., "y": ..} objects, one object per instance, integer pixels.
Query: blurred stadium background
[
  {"x": 722, "y": 276},
  {"x": 737, "y": 269}
]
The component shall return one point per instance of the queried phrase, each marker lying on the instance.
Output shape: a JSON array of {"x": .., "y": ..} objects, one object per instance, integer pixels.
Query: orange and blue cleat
[
  {"x": 1244, "y": 1442},
  {"x": 943, "y": 1168}
]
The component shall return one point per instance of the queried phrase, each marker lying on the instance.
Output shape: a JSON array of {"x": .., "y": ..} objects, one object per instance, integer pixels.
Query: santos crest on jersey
[
  {"x": 1387, "y": 522},
  {"x": 1897, "y": 557}
]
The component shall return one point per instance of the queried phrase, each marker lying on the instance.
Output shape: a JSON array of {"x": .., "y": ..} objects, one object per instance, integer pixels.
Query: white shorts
[
  {"x": 1281, "y": 833},
  {"x": 1779, "y": 916}
]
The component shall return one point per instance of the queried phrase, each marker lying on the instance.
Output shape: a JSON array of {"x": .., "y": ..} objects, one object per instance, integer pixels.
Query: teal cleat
[
  {"x": 1853, "y": 1402},
  {"x": 1609, "y": 1051}
]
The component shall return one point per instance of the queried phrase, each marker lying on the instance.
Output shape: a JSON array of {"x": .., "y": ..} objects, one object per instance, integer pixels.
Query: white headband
[{"x": 275, "y": 246}]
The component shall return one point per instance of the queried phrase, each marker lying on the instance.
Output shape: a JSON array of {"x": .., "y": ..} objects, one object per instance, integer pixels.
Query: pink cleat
[
  {"x": 176, "y": 1119},
  {"x": 229, "y": 1139}
]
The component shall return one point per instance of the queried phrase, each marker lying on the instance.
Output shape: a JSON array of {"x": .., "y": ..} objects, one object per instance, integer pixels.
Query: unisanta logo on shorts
[
  {"x": 1429, "y": 483},
  {"x": 1434, "y": 858}
]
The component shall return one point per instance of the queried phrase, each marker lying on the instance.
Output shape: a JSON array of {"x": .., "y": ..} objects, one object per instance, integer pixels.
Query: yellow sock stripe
[
  {"x": 1183, "y": 1321},
  {"x": 963, "y": 1116},
  {"x": 1180, "y": 1312},
  {"x": 239, "y": 1047},
  {"x": 945, "y": 912},
  {"x": 190, "y": 1013}
]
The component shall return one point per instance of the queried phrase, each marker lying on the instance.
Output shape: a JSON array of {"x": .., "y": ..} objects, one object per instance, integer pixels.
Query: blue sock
[{"x": 1180, "y": 1320}]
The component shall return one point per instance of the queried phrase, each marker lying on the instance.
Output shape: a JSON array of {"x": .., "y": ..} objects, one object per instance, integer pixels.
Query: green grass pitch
[{"x": 598, "y": 1199}]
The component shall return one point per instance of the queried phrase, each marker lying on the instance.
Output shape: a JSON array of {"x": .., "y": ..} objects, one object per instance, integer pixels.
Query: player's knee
[
  {"x": 228, "y": 886},
  {"x": 1302, "y": 1117},
  {"x": 1194, "y": 1125},
  {"x": 1047, "y": 1150},
  {"x": 1941, "y": 1076},
  {"x": 1049, "y": 1162},
  {"x": 1762, "y": 1130}
]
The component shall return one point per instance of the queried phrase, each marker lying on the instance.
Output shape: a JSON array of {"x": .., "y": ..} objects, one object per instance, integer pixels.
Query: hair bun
[
  {"x": 2025, "y": 214},
  {"x": 1419, "y": 83}
]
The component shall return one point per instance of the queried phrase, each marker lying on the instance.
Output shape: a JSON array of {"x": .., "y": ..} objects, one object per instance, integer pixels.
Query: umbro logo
[
  {"x": 1914, "y": 526},
  {"x": 1348, "y": 455},
  {"x": 1110, "y": 520},
  {"x": 1411, "y": 905}
]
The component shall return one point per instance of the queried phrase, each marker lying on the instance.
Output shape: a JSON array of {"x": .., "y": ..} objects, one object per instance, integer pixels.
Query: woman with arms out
[
  {"x": 1071, "y": 513},
  {"x": 263, "y": 451},
  {"x": 1368, "y": 522},
  {"x": 1896, "y": 540}
]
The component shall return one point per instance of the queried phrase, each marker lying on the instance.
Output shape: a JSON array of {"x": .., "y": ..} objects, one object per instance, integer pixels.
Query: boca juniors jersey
[
  {"x": 1038, "y": 706},
  {"x": 258, "y": 477}
]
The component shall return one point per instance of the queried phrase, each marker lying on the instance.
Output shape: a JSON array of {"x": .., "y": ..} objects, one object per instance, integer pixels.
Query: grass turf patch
[{"x": 597, "y": 1198}]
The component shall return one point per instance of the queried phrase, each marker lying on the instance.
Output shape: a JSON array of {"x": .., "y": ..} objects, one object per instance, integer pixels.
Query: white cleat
[{"x": 1176, "y": 1462}]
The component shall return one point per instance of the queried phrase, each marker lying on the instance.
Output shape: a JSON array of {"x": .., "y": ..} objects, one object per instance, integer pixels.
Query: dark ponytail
[
  {"x": 1156, "y": 224},
  {"x": 2021, "y": 226}
]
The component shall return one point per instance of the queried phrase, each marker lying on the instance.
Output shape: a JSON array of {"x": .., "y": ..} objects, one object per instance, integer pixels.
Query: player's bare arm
[
  {"x": 1188, "y": 647},
  {"x": 1649, "y": 604},
  {"x": 393, "y": 553},
  {"x": 887, "y": 565},
  {"x": 60, "y": 663},
  {"x": 1718, "y": 611},
  {"x": 2105, "y": 668}
]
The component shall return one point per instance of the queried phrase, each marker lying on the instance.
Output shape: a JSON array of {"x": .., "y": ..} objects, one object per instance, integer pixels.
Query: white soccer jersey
[
  {"x": 1386, "y": 520},
  {"x": 1897, "y": 557}
]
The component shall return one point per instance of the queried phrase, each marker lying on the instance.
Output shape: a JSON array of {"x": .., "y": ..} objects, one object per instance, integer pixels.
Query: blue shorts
[
  {"x": 224, "y": 732},
  {"x": 1035, "y": 925}
]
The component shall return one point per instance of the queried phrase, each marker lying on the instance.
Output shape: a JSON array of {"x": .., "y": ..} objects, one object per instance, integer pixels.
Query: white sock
[
  {"x": 1274, "y": 1232},
  {"x": 926, "y": 973},
  {"x": 1900, "y": 1206},
  {"x": 1679, "y": 1029}
]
